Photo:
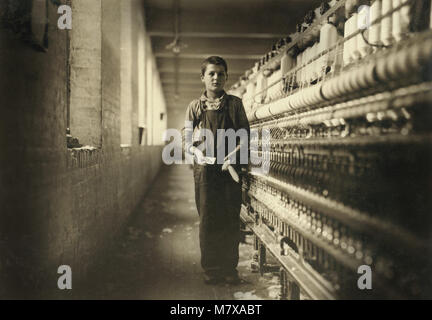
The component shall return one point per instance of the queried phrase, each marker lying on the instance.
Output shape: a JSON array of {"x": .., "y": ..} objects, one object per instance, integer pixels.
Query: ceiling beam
[
  {"x": 196, "y": 82},
  {"x": 204, "y": 56},
  {"x": 196, "y": 71},
  {"x": 228, "y": 46},
  {"x": 238, "y": 66},
  {"x": 187, "y": 63},
  {"x": 265, "y": 20},
  {"x": 168, "y": 34}
]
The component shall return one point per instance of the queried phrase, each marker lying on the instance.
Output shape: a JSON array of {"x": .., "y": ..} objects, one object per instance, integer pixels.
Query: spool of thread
[
  {"x": 301, "y": 100},
  {"x": 386, "y": 23},
  {"x": 305, "y": 99},
  {"x": 328, "y": 88},
  {"x": 347, "y": 47},
  {"x": 248, "y": 74},
  {"x": 314, "y": 68},
  {"x": 310, "y": 63},
  {"x": 295, "y": 100},
  {"x": 396, "y": 21},
  {"x": 263, "y": 112},
  {"x": 328, "y": 38},
  {"x": 252, "y": 115},
  {"x": 305, "y": 69},
  {"x": 340, "y": 85},
  {"x": 350, "y": 6},
  {"x": 287, "y": 63},
  {"x": 352, "y": 81},
  {"x": 366, "y": 76},
  {"x": 320, "y": 64},
  {"x": 363, "y": 75},
  {"x": 274, "y": 90},
  {"x": 399, "y": 64},
  {"x": 390, "y": 68},
  {"x": 363, "y": 24},
  {"x": 281, "y": 106},
  {"x": 316, "y": 93},
  {"x": 414, "y": 60},
  {"x": 355, "y": 55},
  {"x": 384, "y": 68},
  {"x": 273, "y": 107},
  {"x": 255, "y": 68},
  {"x": 250, "y": 89},
  {"x": 400, "y": 20},
  {"x": 375, "y": 29},
  {"x": 350, "y": 46},
  {"x": 298, "y": 64},
  {"x": 246, "y": 101},
  {"x": 260, "y": 86}
]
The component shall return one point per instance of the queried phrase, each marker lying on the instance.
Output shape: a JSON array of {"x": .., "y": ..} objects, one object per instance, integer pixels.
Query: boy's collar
[{"x": 205, "y": 98}]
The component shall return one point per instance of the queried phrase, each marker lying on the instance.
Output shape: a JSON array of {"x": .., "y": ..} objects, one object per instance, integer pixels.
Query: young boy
[{"x": 217, "y": 195}]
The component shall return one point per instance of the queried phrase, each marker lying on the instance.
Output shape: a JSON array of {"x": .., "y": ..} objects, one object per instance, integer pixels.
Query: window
[
  {"x": 84, "y": 81},
  {"x": 126, "y": 80},
  {"x": 142, "y": 41}
]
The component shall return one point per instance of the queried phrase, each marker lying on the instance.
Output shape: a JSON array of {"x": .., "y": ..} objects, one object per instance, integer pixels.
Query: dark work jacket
[
  {"x": 237, "y": 115},
  {"x": 217, "y": 196}
]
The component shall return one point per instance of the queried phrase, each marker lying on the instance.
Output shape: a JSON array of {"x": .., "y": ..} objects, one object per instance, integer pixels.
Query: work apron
[{"x": 218, "y": 200}]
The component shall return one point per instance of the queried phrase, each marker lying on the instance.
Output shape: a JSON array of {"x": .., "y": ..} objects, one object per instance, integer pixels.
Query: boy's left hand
[{"x": 226, "y": 164}]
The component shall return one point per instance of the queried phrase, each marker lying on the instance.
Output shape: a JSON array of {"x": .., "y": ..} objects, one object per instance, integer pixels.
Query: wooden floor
[{"x": 158, "y": 257}]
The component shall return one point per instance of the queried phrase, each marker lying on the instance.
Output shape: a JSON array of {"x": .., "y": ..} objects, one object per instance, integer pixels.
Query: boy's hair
[{"x": 213, "y": 60}]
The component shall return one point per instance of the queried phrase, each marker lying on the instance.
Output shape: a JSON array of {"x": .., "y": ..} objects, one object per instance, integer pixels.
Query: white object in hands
[
  {"x": 227, "y": 166},
  {"x": 209, "y": 160},
  {"x": 198, "y": 155}
]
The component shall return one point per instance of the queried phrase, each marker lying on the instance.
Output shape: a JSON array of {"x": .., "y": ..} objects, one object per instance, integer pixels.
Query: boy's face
[{"x": 214, "y": 78}]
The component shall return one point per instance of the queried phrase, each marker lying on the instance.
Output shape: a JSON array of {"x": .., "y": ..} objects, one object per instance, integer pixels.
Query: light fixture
[{"x": 176, "y": 45}]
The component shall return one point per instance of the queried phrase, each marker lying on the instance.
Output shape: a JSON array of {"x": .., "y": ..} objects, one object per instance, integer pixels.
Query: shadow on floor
[{"x": 158, "y": 256}]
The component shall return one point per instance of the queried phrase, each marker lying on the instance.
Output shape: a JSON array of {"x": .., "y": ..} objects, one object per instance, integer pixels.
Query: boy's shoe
[
  {"x": 232, "y": 279},
  {"x": 211, "y": 279}
]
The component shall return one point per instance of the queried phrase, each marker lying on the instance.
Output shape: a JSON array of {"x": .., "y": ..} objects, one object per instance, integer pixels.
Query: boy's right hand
[{"x": 199, "y": 156}]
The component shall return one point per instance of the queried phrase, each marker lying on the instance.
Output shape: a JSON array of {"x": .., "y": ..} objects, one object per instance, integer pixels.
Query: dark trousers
[{"x": 218, "y": 200}]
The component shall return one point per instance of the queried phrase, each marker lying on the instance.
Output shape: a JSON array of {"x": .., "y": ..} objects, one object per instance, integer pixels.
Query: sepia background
[{"x": 84, "y": 111}]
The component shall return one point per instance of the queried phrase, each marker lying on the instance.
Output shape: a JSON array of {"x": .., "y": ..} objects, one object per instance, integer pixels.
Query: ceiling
[{"x": 241, "y": 31}]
